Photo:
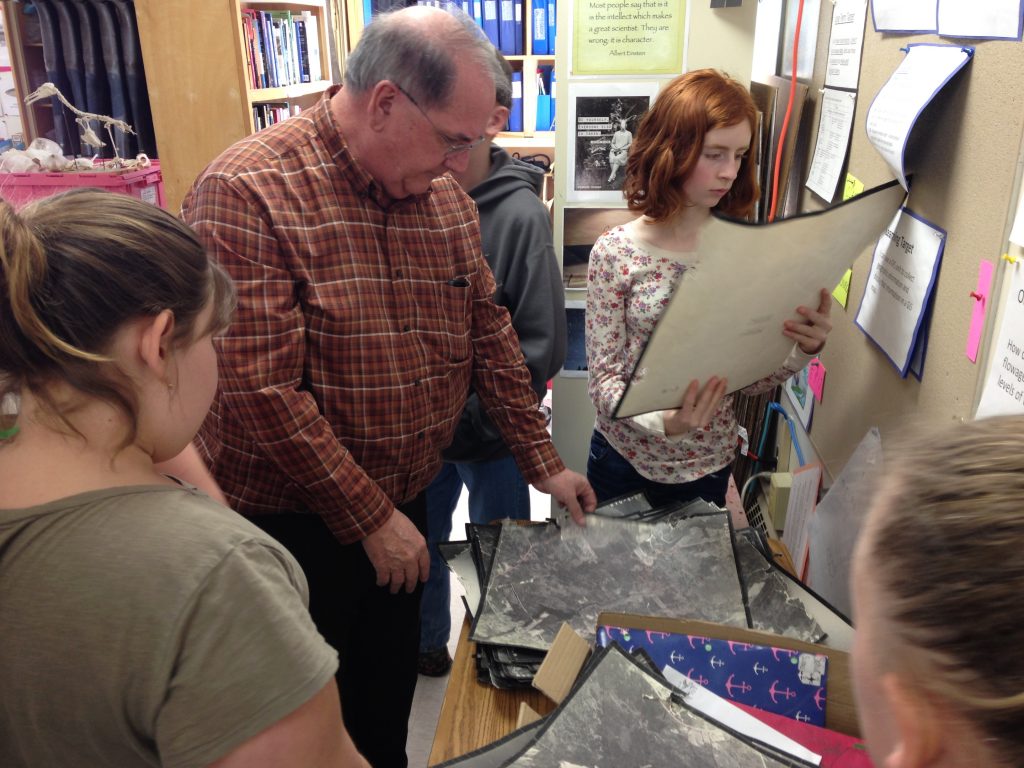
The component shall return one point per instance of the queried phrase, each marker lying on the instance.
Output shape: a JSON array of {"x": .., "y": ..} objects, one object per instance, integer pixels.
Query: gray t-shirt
[{"x": 147, "y": 626}]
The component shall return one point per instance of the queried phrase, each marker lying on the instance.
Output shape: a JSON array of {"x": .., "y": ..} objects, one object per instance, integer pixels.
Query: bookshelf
[
  {"x": 529, "y": 64},
  {"x": 197, "y": 75},
  {"x": 527, "y": 141}
]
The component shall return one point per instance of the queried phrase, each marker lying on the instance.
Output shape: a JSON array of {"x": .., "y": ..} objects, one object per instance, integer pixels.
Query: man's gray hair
[
  {"x": 503, "y": 81},
  {"x": 422, "y": 63}
]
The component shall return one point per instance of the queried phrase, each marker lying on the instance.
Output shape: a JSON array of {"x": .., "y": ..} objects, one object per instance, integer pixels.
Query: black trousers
[{"x": 375, "y": 633}]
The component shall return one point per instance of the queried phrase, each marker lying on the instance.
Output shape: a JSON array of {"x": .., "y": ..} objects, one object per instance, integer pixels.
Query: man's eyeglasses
[{"x": 454, "y": 146}]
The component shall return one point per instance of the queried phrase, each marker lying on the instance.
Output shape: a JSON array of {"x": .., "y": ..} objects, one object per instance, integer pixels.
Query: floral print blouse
[{"x": 629, "y": 284}]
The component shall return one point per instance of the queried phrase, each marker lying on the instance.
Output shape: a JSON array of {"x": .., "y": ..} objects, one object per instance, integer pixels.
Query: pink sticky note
[
  {"x": 816, "y": 378},
  {"x": 978, "y": 314}
]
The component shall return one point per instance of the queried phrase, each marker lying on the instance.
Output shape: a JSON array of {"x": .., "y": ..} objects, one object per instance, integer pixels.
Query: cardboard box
[
  {"x": 564, "y": 661},
  {"x": 840, "y": 710}
]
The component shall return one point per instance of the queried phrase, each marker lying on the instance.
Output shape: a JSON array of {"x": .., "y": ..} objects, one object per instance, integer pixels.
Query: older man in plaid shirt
[{"x": 365, "y": 313}]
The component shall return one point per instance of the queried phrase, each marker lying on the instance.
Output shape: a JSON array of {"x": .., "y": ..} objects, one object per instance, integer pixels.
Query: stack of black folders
[
  {"x": 623, "y": 712},
  {"x": 523, "y": 580}
]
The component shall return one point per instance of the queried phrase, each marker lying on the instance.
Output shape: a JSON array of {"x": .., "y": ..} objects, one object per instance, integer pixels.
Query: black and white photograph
[
  {"x": 543, "y": 576},
  {"x": 772, "y": 607},
  {"x": 597, "y": 725},
  {"x": 605, "y": 117}
]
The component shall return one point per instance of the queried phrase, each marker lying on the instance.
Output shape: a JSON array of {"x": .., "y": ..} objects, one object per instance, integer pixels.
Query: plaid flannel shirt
[{"x": 361, "y": 324}]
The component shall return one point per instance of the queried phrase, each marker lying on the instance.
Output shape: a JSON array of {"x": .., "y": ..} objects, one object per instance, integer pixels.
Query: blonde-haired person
[
  {"x": 937, "y": 581},
  {"x": 689, "y": 157},
  {"x": 143, "y": 624}
]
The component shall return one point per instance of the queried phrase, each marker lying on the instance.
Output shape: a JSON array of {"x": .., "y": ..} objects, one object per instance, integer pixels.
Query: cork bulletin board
[{"x": 966, "y": 155}]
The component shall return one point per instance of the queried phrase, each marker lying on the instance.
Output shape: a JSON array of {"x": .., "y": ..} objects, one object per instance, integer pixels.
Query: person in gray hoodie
[{"x": 515, "y": 230}]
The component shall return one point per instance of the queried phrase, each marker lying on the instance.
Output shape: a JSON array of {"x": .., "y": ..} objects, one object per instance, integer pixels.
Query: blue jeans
[
  {"x": 497, "y": 491},
  {"x": 610, "y": 474}
]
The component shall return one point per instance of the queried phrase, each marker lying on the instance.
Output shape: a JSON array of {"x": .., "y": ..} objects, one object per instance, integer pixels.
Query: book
[
  {"x": 250, "y": 49},
  {"x": 313, "y": 45},
  {"x": 252, "y": 22},
  {"x": 280, "y": 49},
  {"x": 302, "y": 49},
  {"x": 269, "y": 49},
  {"x": 283, "y": 30},
  {"x": 293, "y": 49},
  {"x": 265, "y": 115}
]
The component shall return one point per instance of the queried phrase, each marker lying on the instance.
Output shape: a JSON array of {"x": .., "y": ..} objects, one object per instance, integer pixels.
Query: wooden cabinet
[
  {"x": 196, "y": 81},
  {"x": 24, "y": 41},
  {"x": 197, "y": 75}
]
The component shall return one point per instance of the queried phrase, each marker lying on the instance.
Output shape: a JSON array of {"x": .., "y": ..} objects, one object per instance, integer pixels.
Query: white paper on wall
[
  {"x": 926, "y": 68},
  {"x": 844, "y": 44}
]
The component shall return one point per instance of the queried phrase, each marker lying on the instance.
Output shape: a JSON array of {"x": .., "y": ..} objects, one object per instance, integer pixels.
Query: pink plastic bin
[{"x": 146, "y": 184}]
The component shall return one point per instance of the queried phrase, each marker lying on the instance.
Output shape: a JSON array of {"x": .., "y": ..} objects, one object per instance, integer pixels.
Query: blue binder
[
  {"x": 507, "y": 27},
  {"x": 491, "y": 22},
  {"x": 552, "y": 26},
  {"x": 519, "y": 27},
  {"x": 543, "y": 104},
  {"x": 543, "y": 112},
  {"x": 478, "y": 13},
  {"x": 539, "y": 27},
  {"x": 551, "y": 93},
  {"x": 515, "y": 117}
]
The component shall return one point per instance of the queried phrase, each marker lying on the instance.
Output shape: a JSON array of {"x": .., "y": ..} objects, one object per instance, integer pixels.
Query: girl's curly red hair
[{"x": 670, "y": 139}]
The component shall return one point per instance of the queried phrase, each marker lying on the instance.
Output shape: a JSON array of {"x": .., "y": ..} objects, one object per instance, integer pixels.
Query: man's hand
[
  {"x": 572, "y": 492},
  {"x": 399, "y": 553},
  {"x": 811, "y": 328},
  {"x": 698, "y": 406}
]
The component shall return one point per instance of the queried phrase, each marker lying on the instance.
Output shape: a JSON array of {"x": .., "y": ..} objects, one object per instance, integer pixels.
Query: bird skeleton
[{"x": 48, "y": 90}]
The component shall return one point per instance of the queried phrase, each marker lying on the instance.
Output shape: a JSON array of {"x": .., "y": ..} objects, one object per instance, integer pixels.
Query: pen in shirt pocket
[{"x": 462, "y": 281}]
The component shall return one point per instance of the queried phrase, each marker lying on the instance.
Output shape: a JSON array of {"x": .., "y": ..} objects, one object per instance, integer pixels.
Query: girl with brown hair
[
  {"x": 143, "y": 624},
  {"x": 690, "y": 156}
]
